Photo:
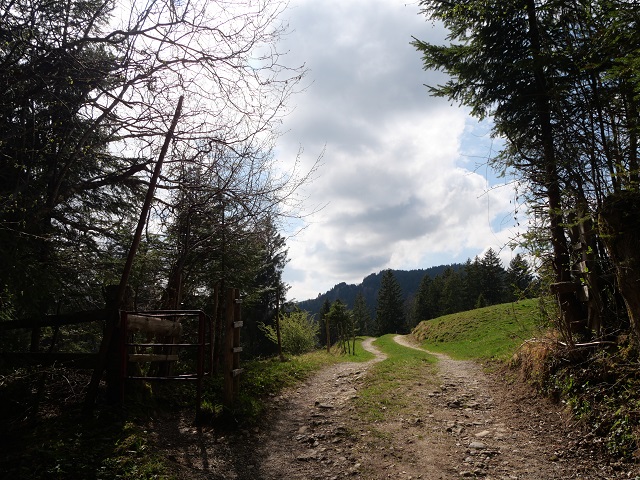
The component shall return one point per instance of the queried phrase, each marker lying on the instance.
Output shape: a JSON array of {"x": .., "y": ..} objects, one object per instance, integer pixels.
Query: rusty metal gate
[{"x": 164, "y": 338}]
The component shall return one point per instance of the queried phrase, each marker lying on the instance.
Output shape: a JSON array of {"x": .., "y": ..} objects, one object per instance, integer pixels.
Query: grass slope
[{"x": 490, "y": 333}]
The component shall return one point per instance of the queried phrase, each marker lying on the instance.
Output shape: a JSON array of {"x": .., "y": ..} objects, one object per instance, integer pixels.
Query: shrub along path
[{"x": 452, "y": 422}]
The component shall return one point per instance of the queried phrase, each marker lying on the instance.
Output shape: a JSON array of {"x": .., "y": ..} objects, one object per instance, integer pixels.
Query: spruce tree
[
  {"x": 560, "y": 82},
  {"x": 519, "y": 278},
  {"x": 390, "y": 317},
  {"x": 324, "y": 319},
  {"x": 422, "y": 308},
  {"x": 362, "y": 316},
  {"x": 472, "y": 283},
  {"x": 493, "y": 278},
  {"x": 452, "y": 299},
  {"x": 434, "y": 296},
  {"x": 342, "y": 320}
]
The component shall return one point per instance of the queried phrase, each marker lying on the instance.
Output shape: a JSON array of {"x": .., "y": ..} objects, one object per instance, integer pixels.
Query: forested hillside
[
  {"x": 430, "y": 293},
  {"x": 409, "y": 281}
]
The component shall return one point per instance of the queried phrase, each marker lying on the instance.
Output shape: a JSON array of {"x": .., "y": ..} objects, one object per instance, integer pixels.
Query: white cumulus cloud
[{"x": 400, "y": 177}]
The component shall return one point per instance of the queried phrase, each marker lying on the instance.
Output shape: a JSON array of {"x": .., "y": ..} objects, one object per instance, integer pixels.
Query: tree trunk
[
  {"x": 620, "y": 231},
  {"x": 569, "y": 305},
  {"x": 584, "y": 241}
]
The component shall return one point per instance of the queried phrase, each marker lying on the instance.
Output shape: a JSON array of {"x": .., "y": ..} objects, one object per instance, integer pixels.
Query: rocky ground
[{"x": 464, "y": 423}]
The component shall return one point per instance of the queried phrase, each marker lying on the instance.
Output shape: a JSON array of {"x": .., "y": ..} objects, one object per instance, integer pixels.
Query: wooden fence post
[
  {"x": 232, "y": 348},
  {"x": 212, "y": 330},
  {"x": 237, "y": 324}
]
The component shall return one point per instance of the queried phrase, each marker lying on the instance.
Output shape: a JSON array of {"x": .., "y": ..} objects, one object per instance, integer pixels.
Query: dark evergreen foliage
[
  {"x": 63, "y": 191},
  {"x": 560, "y": 83},
  {"x": 266, "y": 291},
  {"x": 390, "y": 315},
  {"x": 423, "y": 307},
  {"x": 492, "y": 278},
  {"x": 89, "y": 90},
  {"x": 519, "y": 279},
  {"x": 362, "y": 316},
  {"x": 341, "y": 321},
  {"x": 324, "y": 321},
  {"x": 441, "y": 290},
  {"x": 409, "y": 281}
]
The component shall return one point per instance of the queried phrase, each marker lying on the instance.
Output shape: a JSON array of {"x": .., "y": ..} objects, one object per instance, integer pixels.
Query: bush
[{"x": 298, "y": 331}]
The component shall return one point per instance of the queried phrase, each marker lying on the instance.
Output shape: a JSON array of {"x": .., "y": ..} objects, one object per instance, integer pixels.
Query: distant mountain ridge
[{"x": 409, "y": 281}]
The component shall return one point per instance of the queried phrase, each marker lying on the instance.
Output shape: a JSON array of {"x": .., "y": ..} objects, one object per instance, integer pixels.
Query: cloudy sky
[{"x": 403, "y": 176}]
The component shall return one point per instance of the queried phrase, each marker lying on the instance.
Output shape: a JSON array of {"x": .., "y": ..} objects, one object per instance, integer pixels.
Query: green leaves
[{"x": 298, "y": 331}]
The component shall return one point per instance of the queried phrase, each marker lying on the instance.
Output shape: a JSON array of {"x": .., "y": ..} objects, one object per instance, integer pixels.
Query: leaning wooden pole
[{"x": 113, "y": 320}]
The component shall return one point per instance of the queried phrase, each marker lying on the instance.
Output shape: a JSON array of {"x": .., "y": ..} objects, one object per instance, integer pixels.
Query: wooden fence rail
[
  {"x": 80, "y": 361},
  {"x": 55, "y": 320},
  {"x": 157, "y": 323}
]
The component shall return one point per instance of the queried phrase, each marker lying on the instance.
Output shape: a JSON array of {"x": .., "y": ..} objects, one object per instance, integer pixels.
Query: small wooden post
[
  {"x": 35, "y": 335},
  {"x": 200, "y": 366},
  {"x": 278, "y": 334},
  {"x": 232, "y": 348},
  {"x": 228, "y": 350},
  {"x": 237, "y": 324},
  {"x": 220, "y": 326},
  {"x": 124, "y": 353},
  {"x": 212, "y": 329}
]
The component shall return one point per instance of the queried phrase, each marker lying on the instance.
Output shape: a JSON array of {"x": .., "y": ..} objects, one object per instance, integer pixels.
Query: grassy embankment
[{"x": 490, "y": 333}]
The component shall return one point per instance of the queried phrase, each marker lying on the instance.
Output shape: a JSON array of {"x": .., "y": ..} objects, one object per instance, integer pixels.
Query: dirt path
[{"x": 461, "y": 424}]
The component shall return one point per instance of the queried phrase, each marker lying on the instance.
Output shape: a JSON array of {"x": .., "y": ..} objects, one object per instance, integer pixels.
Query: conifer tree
[
  {"x": 472, "y": 283},
  {"x": 362, "y": 316},
  {"x": 422, "y": 308},
  {"x": 519, "y": 278},
  {"x": 325, "y": 325},
  {"x": 452, "y": 298},
  {"x": 390, "y": 316},
  {"x": 342, "y": 320},
  {"x": 493, "y": 278},
  {"x": 560, "y": 81}
]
